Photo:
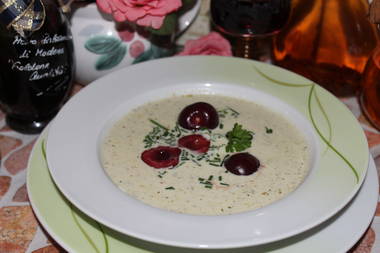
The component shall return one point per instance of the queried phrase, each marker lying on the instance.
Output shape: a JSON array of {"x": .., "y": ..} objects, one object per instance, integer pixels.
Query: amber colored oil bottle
[
  {"x": 327, "y": 41},
  {"x": 370, "y": 94}
]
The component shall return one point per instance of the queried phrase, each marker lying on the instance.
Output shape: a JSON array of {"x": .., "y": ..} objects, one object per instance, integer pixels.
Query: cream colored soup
[{"x": 283, "y": 154}]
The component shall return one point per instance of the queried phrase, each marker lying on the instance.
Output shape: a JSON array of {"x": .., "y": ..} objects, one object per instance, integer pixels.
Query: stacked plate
[{"x": 86, "y": 212}]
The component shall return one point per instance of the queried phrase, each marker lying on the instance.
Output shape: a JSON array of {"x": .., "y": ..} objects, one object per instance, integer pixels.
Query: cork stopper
[{"x": 374, "y": 12}]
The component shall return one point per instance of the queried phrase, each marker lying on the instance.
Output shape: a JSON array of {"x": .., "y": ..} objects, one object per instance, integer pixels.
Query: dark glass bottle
[{"x": 37, "y": 70}]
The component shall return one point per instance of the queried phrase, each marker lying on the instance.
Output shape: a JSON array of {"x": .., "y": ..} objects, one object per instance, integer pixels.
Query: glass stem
[{"x": 245, "y": 47}]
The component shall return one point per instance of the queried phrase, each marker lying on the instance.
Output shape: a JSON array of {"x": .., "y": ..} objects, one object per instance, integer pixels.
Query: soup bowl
[{"x": 336, "y": 170}]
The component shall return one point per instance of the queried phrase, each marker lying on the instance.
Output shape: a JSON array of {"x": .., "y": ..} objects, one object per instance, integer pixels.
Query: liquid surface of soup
[{"x": 200, "y": 184}]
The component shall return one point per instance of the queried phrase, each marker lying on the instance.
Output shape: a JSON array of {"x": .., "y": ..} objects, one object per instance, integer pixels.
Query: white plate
[
  {"x": 76, "y": 232},
  {"x": 336, "y": 175}
]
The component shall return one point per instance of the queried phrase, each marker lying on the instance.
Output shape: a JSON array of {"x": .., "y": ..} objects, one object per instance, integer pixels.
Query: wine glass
[{"x": 247, "y": 22}]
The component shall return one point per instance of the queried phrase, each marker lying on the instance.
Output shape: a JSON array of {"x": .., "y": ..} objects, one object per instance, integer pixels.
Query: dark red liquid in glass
[{"x": 250, "y": 17}]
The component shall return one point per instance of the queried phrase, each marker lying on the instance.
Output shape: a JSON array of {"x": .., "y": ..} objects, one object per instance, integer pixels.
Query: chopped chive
[
  {"x": 236, "y": 113},
  {"x": 205, "y": 182},
  {"x": 220, "y": 178},
  {"x": 225, "y": 184},
  {"x": 197, "y": 163},
  {"x": 268, "y": 130},
  {"x": 180, "y": 164},
  {"x": 210, "y": 177},
  {"x": 215, "y": 164},
  {"x": 158, "y": 124},
  {"x": 208, "y": 186},
  {"x": 201, "y": 179},
  {"x": 170, "y": 188}
]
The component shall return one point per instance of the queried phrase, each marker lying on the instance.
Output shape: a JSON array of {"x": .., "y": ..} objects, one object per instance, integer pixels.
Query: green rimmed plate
[
  {"x": 78, "y": 233},
  {"x": 340, "y": 156}
]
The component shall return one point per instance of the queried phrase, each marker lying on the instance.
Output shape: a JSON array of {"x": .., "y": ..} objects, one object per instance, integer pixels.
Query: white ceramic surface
[
  {"x": 88, "y": 23},
  {"x": 336, "y": 175}
]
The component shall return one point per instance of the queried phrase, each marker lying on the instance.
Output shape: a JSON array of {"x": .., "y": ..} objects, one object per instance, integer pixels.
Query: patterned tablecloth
[{"x": 20, "y": 231}]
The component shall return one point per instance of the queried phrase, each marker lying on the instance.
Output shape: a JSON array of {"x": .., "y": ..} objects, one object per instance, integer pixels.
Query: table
[{"x": 19, "y": 228}]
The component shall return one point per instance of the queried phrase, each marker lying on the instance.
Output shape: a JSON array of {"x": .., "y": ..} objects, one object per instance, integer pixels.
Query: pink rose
[
  {"x": 211, "y": 44},
  {"x": 149, "y": 13}
]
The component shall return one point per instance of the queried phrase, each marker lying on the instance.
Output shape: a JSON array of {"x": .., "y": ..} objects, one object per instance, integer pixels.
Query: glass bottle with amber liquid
[
  {"x": 327, "y": 41},
  {"x": 36, "y": 63},
  {"x": 369, "y": 97}
]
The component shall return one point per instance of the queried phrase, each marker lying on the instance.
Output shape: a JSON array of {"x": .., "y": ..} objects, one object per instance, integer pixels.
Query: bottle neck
[{"x": 22, "y": 15}]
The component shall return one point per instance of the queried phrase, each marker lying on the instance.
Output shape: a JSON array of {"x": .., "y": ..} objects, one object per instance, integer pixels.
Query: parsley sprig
[{"x": 239, "y": 139}]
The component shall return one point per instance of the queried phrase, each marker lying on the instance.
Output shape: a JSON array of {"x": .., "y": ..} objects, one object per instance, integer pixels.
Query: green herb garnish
[
  {"x": 268, "y": 130},
  {"x": 170, "y": 188},
  {"x": 160, "y": 174},
  {"x": 239, "y": 139},
  {"x": 159, "y": 125},
  {"x": 161, "y": 135},
  {"x": 228, "y": 111}
]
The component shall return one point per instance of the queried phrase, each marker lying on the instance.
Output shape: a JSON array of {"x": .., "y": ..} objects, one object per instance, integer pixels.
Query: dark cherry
[
  {"x": 242, "y": 164},
  {"x": 198, "y": 115},
  {"x": 194, "y": 142},
  {"x": 161, "y": 157}
]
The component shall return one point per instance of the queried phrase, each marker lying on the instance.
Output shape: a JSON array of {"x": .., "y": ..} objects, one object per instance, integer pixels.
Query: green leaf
[
  {"x": 102, "y": 44},
  {"x": 153, "y": 52},
  {"x": 108, "y": 61},
  {"x": 168, "y": 27},
  {"x": 239, "y": 139}
]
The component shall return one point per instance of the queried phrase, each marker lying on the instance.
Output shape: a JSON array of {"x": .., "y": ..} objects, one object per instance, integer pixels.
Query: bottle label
[{"x": 36, "y": 58}]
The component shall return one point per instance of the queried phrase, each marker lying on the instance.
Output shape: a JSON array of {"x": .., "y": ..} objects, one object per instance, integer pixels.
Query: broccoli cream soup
[{"x": 205, "y": 155}]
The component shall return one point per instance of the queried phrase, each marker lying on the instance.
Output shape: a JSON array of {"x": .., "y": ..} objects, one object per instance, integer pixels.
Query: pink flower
[
  {"x": 143, "y": 12},
  {"x": 211, "y": 44},
  {"x": 136, "y": 48}
]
